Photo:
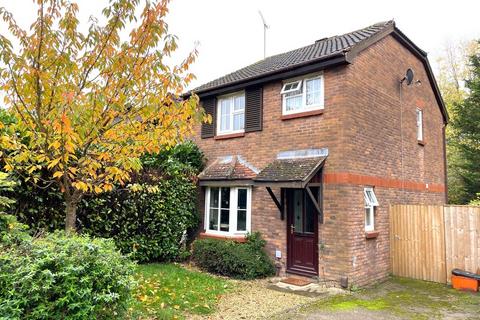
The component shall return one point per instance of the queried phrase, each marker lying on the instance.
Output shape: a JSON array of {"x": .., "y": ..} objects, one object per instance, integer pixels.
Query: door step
[{"x": 296, "y": 281}]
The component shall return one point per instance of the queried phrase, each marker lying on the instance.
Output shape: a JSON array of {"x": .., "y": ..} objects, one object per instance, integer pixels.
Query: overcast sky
[{"x": 230, "y": 33}]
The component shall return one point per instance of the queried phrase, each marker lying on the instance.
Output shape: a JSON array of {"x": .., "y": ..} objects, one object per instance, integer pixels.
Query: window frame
[
  {"x": 230, "y": 96},
  {"x": 370, "y": 203},
  {"x": 419, "y": 125},
  {"x": 303, "y": 92},
  {"x": 233, "y": 216},
  {"x": 284, "y": 90}
]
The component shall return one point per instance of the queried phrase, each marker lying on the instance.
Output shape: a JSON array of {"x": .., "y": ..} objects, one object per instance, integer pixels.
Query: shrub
[
  {"x": 147, "y": 219},
  {"x": 237, "y": 260},
  {"x": 148, "y": 223},
  {"x": 64, "y": 277}
]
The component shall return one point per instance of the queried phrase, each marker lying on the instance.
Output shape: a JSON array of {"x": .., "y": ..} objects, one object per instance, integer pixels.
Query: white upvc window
[
  {"x": 228, "y": 210},
  {"x": 370, "y": 203},
  {"x": 419, "y": 124},
  {"x": 231, "y": 113},
  {"x": 302, "y": 95},
  {"x": 291, "y": 86}
]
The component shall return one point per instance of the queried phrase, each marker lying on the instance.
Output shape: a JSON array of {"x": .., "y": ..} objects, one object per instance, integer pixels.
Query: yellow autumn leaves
[{"x": 89, "y": 105}]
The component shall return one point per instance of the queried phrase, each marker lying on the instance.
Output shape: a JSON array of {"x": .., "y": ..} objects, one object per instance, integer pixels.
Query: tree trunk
[
  {"x": 71, "y": 203},
  {"x": 71, "y": 217}
]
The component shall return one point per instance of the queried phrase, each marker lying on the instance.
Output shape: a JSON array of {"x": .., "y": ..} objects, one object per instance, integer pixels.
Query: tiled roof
[
  {"x": 228, "y": 168},
  {"x": 319, "y": 50},
  {"x": 289, "y": 170}
]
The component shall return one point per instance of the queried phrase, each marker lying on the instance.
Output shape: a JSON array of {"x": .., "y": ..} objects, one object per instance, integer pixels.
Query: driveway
[{"x": 396, "y": 298}]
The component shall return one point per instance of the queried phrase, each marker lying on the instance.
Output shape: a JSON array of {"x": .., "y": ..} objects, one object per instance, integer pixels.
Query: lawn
[{"x": 170, "y": 291}]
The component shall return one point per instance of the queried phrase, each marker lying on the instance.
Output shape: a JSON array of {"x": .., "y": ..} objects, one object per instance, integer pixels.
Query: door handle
[{"x": 292, "y": 229}]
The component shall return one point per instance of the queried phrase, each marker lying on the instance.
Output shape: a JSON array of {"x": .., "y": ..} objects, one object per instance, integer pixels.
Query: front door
[{"x": 302, "y": 233}]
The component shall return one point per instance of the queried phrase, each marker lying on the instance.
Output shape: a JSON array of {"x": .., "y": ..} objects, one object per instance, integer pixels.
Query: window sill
[
  {"x": 302, "y": 114},
  {"x": 230, "y": 136},
  {"x": 421, "y": 142},
  {"x": 236, "y": 238},
  {"x": 371, "y": 234}
]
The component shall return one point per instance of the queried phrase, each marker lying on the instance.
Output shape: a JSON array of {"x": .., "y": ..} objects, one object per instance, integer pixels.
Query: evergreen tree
[{"x": 467, "y": 128}]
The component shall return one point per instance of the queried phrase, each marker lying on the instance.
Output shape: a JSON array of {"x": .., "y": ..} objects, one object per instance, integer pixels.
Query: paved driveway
[{"x": 396, "y": 298}]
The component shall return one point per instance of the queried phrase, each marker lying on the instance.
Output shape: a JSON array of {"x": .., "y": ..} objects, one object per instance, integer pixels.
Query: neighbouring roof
[
  {"x": 324, "y": 53},
  {"x": 321, "y": 49},
  {"x": 229, "y": 168},
  {"x": 299, "y": 170}
]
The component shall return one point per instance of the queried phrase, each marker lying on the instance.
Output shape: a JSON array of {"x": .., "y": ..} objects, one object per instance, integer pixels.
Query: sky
[{"x": 229, "y": 34}]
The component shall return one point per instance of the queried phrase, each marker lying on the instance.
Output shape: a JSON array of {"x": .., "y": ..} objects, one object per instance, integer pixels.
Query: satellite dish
[{"x": 409, "y": 76}]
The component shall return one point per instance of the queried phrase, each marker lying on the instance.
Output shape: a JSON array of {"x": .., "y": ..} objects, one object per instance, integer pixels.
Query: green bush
[
  {"x": 237, "y": 260},
  {"x": 64, "y": 277},
  {"x": 148, "y": 223},
  {"x": 146, "y": 219}
]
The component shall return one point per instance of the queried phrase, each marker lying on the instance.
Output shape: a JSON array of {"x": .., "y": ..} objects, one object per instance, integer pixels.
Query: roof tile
[{"x": 317, "y": 51}]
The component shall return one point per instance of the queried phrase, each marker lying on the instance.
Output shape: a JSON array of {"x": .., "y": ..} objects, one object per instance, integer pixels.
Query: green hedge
[
  {"x": 60, "y": 277},
  {"x": 147, "y": 223},
  {"x": 237, "y": 260}
]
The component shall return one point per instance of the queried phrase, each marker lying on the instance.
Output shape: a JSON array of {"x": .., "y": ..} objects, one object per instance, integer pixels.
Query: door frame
[{"x": 289, "y": 220}]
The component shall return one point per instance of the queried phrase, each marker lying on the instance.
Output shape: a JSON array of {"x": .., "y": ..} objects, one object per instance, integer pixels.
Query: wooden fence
[{"x": 427, "y": 242}]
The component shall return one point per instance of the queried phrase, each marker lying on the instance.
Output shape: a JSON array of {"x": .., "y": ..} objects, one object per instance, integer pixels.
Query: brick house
[{"x": 310, "y": 147}]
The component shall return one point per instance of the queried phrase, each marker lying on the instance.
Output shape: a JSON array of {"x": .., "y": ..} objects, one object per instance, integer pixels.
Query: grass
[
  {"x": 406, "y": 298},
  {"x": 169, "y": 291}
]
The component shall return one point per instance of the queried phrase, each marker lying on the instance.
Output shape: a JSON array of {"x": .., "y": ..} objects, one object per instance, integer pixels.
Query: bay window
[
  {"x": 231, "y": 113},
  {"x": 227, "y": 210}
]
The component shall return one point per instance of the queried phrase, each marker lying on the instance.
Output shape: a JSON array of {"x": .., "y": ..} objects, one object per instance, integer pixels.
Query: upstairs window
[
  {"x": 370, "y": 203},
  {"x": 302, "y": 95},
  {"x": 419, "y": 124},
  {"x": 231, "y": 113}
]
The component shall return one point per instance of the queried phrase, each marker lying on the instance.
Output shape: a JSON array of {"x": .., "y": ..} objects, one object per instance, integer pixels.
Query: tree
[
  {"x": 467, "y": 129},
  {"x": 88, "y": 104},
  {"x": 453, "y": 70}
]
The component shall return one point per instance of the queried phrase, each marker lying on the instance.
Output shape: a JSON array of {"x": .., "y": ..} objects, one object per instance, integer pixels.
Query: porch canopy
[
  {"x": 300, "y": 169},
  {"x": 290, "y": 173}
]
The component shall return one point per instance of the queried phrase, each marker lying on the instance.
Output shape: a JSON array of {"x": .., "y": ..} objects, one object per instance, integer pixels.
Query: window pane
[
  {"x": 310, "y": 212},
  {"x": 313, "y": 91},
  {"x": 225, "y": 110},
  {"x": 369, "y": 218},
  {"x": 293, "y": 102},
  {"x": 419, "y": 125},
  {"x": 224, "y": 220},
  {"x": 213, "y": 225},
  {"x": 298, "y": 206},
  {"x": 239, "y": 103},
  {"x": 213, "y": 197},
  {"x": 225, "y": 198},
  {"x": 239, "y": 121},
  {"x": 241, "y": 220},
  {"x": 313, "y": 85},
  {"x": 242, "y": 198}
]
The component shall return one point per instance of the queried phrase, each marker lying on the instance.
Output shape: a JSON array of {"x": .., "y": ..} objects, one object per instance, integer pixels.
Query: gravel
[{"x": 253, "y": 300}]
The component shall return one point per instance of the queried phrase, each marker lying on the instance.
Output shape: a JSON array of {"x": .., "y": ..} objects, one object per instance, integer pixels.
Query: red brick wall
[
  {"x": 361, "y": 128},
  {"x": 374, "y": 132}
]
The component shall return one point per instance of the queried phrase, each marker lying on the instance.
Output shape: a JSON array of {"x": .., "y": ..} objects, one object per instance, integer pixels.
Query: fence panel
[
  {"x": 417, "y": 242},
  {"x": 462, "y": 225}
]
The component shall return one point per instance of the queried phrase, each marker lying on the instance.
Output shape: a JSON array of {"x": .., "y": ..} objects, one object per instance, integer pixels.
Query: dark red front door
[{"x": 302, "y": 233}]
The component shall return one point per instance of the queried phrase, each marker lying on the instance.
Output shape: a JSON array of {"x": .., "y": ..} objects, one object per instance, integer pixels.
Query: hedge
[
  {"x": 149, "y": 223},
  {"x": 147, "y": 219},
  {"x": 237, "y": 260}
]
